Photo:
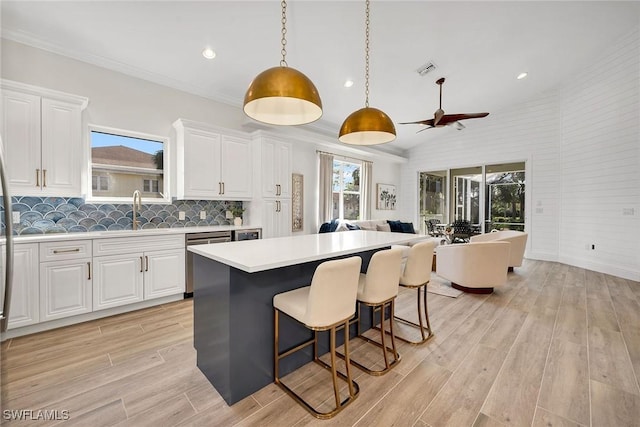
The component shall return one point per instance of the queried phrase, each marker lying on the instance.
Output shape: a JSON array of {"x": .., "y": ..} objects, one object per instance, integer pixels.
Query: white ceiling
[{"x": 478, "y": 46}]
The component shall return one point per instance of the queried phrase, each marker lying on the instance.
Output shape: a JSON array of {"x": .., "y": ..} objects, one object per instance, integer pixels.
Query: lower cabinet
[
  {"x": 117, "y": 280},
  {"x": 130, "y": 278},
  {"x": 24, "y": 306},
  {"x": 65, "y": 288},
  {"x": 276, "y": 221}
]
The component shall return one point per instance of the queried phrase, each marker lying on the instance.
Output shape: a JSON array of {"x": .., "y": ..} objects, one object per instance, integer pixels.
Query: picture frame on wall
[
  {"x": 297, "y": 202},
  {"x": 386, "y": 197}
]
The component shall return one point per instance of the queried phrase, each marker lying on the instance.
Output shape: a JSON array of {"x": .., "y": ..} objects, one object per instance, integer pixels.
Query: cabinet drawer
[
  {"x": 120, "y": 245},
  {"x": 58, "y": 251}
]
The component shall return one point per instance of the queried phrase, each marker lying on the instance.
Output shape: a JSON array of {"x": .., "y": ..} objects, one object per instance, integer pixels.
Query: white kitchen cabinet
[
  {"x": 131, "y": 269},
  {"x": 24, "y": 306},
  {"x": 42, "y": 136},
  {"x": 212, "y": 164},
  {"x": 65, "y": 288},
  {"x": 117, "y": 280},
  {"x": 164, "y": 273},
  {"x": 65, "y": 279},
  {"x": 276, "y": 168},
  {"x": 276, "y": 220}
]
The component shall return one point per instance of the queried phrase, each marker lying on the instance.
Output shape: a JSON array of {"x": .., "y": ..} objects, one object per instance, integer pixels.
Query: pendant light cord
[
  {"x": 283, "y": 41},
  {"x": 366, "y": 58}
]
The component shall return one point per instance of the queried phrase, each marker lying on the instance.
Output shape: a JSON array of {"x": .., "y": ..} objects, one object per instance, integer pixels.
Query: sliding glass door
[
  {"x": 505, "y": 190},
  {"x": 465, "y": 193},
  {"x": 433, "y": 203}
]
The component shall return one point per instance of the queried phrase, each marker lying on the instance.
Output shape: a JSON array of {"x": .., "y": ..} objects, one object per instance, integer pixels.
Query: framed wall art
[
  {"x": 386, "y": 197},
  {"x": 297, "y": 202}
]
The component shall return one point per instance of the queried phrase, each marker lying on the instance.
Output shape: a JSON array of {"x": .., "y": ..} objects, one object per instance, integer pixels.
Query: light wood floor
[{"x": 557, "y": 346}]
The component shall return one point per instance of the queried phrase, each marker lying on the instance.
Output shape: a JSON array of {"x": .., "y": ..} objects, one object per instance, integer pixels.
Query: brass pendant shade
[
  {"x": 367, "y": 126},
  {"x": 282, "y": 96}
]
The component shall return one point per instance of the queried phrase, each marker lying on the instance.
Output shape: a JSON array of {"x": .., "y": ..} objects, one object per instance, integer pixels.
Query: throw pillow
[
  {"x": 352, "y": 226},
  {"x": 370, "y": 227},
  {"x": 384, "y": 227},
  {"x": 395, "y": 226},
  {"x": 407, "y": 227}
]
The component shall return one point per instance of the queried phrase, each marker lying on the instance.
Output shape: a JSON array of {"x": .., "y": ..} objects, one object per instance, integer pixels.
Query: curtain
[
  {"x": 325, "y": 185},
  {"x": 365, "y": 189}
]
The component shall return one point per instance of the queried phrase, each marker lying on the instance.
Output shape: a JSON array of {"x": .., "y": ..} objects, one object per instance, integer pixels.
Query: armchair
[
  {"x": 474, "y": 267},
  {"x": 518, "y": 240}
]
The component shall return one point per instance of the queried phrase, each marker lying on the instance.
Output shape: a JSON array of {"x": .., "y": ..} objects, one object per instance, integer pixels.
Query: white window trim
[
  {"x": 133, "y": 134},
  {"x": 342, "y": 191}
]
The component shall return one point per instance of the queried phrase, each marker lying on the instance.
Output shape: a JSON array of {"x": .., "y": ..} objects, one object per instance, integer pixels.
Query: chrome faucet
[{"x": 137, "y": 205}]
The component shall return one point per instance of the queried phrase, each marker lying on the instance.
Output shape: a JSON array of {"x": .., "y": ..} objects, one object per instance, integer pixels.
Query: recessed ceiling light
[
  {"x": 348, "y": 83},
  {"x": 208, "y": 53},
  {"x": 522, "y": 76}
]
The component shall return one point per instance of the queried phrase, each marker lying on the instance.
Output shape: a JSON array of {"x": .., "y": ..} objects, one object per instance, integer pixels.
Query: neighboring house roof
[{"x": 123, "y": 156}]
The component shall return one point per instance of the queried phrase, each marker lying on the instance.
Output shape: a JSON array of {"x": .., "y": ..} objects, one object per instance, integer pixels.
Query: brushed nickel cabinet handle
[
  {"x": 223, "y": 187},
  {"x": 65, "y": 251},
  {"x": 89, "y": 270},
  {"x": 37, "y": 177},
  {"x": 44, "y": 177},
  {"x": 141, "y": 263},
  {"x": 146, "y": 263},
  {"x": 278, "y": 190},
  {"x": 219, "y": 188}
]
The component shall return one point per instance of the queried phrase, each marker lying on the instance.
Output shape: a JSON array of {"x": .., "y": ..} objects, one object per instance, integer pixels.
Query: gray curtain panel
[{"x": 325, "y": 184}]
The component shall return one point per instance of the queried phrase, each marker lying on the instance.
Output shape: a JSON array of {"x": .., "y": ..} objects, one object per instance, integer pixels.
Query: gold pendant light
[
  {"x": 283, "y": 95},
  {"x": 368, "y": 125}
]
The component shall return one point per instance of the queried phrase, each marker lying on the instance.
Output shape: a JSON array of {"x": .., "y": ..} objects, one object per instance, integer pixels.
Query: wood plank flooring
[{"x": 556, "y": 346}]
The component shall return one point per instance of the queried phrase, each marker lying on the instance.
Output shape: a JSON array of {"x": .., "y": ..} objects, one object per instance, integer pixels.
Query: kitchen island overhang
[{"x": 234, "y": 285}]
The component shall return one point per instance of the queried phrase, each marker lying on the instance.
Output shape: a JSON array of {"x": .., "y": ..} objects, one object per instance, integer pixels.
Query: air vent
[{"x": 425, "y": 69}]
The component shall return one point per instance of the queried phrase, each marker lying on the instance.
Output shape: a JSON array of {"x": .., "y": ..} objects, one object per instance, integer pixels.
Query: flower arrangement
[{"x": 236, "y": 210}]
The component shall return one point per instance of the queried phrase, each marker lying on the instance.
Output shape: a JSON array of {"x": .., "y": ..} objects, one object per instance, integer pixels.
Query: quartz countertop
[
  {"x": 37, "y": 238},
  {"x": 259, "y": 255}
]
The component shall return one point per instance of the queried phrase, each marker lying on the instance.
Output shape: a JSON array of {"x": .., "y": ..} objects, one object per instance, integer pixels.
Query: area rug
[{"x": 443, "y": 289}]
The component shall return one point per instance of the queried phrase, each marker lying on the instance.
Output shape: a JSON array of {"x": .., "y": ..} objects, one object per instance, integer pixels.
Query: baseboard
[{"x": 602, "y": 268}]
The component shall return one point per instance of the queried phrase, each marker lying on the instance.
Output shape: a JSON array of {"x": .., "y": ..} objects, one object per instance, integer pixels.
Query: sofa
[
  {"x": 518, "y": 240},
  {"x": 475, "y": 267}
]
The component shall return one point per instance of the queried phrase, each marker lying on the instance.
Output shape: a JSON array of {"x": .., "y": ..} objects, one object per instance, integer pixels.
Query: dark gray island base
[{"x": 233, "y": 323}]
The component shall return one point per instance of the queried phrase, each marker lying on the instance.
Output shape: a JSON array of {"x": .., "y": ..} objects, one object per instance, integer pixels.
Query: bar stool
[
  {"x": 377, "y": 288},
  {"x": 416, "y": 275},
  {"x": 328, "y": 303}
]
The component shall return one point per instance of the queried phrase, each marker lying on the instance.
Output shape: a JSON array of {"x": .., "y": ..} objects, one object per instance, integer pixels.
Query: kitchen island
[{"x": 234, "y": 284}]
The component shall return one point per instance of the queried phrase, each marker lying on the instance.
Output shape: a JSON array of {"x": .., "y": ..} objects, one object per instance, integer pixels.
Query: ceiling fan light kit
[
  {"x": 368, "y": 125},
  {"x": 283, "y": 95}
]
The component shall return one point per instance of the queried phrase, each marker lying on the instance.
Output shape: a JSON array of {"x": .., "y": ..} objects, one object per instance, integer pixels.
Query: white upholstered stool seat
[
  {"x": 377, "y": 289},
  {"x": 416, "y": 275},
  {"x": 327, "y": 304}
]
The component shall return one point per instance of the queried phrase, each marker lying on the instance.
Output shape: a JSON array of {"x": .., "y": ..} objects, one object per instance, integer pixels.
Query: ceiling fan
[{"x": 440, "y": 119}]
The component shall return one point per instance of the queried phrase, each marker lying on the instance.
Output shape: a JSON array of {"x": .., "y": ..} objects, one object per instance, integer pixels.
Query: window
[
  {"x": 346, "y": 190},
  {"x": 150, "y": 185},
  {"x": 505, "y": 190},
  {"x": 123, "y": 161},
  {"x": 433, "y": 190},
  {"x": 100, "y": 183}
]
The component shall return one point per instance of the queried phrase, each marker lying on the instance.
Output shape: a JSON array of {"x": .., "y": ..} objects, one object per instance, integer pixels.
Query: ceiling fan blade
[
  {"x": 427, "y": 122},
  {"x": 425, "y": 128},
  {"x": 450, "y": 118}
]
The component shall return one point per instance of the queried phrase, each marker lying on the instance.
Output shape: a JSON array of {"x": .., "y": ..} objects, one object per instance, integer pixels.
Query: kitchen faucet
[{"x": 137, "y": 205}]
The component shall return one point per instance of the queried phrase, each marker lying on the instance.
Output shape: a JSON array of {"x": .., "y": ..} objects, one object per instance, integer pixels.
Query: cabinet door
[
  {"x": 65, "y": 288},
  {"x": 276, "y": 218},
  {"x": 283, "y": 171},
  {"x": 236, "y": 168},
  {"x": 21, "y": 138},
  {"x": 164, "y": 273},
  {"x": 62, "y": 149},
  {"x": 24, "y": 304},
  {"x": 117, "y": 280},
  {"x": 269, "y": 167},
  {"x": 202, "y": 164}
]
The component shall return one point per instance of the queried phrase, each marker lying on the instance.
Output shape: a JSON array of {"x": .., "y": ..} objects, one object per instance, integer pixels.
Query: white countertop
[
  {"x": 36, "y": 238},
  {"x": 259, "y": 255}
]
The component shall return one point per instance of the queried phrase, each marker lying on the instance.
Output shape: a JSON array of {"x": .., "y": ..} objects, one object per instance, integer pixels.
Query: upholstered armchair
[
  {"x": 475, "y": 267},
  {"x": 518, "y": 240}
]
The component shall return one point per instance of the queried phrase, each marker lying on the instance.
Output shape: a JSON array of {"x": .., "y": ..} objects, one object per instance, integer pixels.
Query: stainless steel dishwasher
[{"x": 203, "y": 238}]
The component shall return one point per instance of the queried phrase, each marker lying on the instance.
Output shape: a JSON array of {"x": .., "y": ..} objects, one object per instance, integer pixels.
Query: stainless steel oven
[
  {"x": 204, "y": 238},
  {"x": 248, "y": 234}
]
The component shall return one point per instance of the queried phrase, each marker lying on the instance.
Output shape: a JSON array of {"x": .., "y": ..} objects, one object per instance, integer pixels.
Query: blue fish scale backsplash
[{"x": 45, "y": 215}]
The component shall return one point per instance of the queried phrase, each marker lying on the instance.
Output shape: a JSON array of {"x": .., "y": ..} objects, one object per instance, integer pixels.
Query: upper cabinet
[
  {"x": 212, "y": 163},
  {"x": 276, "y": 168},
  {"x": 42, "y": 137}
]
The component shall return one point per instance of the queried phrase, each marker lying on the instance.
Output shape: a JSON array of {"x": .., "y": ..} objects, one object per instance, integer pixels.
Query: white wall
[
  {"x": 120, "y": 101},
  {"x": 581, "y": 145}
]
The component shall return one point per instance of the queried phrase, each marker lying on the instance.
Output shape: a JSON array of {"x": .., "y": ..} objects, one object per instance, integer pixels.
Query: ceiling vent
[{"x": 425, "y": 69}]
